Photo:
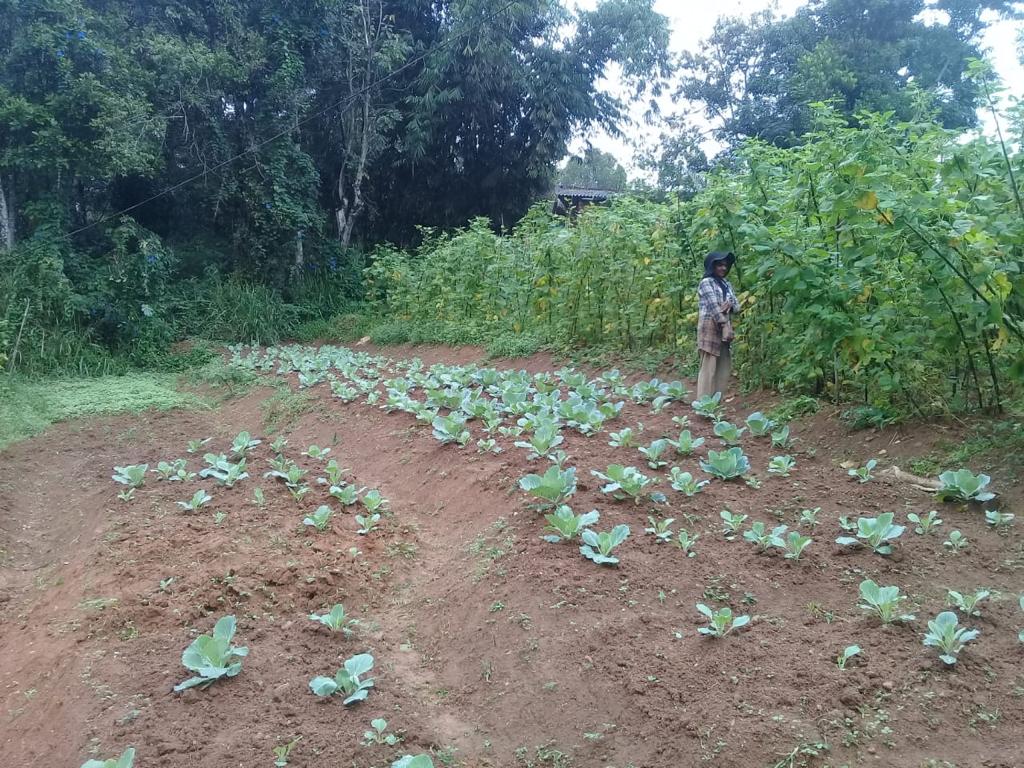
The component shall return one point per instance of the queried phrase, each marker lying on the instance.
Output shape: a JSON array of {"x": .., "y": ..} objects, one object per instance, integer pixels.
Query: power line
[{"x": 343, "y": 102}]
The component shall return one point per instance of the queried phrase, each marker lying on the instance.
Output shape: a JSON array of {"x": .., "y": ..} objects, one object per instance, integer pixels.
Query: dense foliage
[
  {"x": 883, "y": 263},
  {"x": 261, "y": 140}
]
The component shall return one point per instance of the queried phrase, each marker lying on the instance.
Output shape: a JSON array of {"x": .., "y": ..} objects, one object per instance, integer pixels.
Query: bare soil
[{"x": 492, "y": 647}]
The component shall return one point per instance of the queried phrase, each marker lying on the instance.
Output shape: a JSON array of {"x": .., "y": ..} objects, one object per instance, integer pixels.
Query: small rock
[{"x": 888, "y": 685}]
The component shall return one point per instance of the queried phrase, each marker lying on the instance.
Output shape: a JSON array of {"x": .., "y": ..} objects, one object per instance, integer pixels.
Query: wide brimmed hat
[{"x": 715, "y": 256}]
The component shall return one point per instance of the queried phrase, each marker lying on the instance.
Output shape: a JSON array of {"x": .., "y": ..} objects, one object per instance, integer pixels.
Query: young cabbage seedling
[
  {"x": 223, "y": 471},
  {"x": 655, "y": 452},
  {"x": 781, "y": 465},
  {"x": 945, "y": 634},
  {"x": 347, "y": 495},
  {"x": 564, "y": 525},
  {"x": 967, "y": 602},
  {"x": 175, "y": 471},
  {"x": 622, "y": 482},
  {"x": 211, "y": 656},
  {"x": 378, "y": 734},
  {"x": 545, "y": 438},
  {"x": 660, "y": 528},
  {"x": 133, "y": 475},
  {"x": 126, "y": 760},
  {"x": 367, "y": 523},
  {"x": 722, "y": 621},
  {"x": 709, "y": 406},
  {"x": 559, "y": 458},
  {"x": 316, "y": 453},
  {"x": 624, "y": 438},
  {"x": 487, "y": 445},
  {"x": 283, "y": 751},
  {"x": 848, "y": 653},
  {"x": 765, "y": 539},
  {"x": 726, "y": 464},
  {"x": 197, "y": 445},
  {"x": 964, "y": 485},
  {"x": 334, "y": 474},
  {"x": 732, "y": 523},
  {"x": 320, "y": 518},
  {"x": 810, "y": 517},
  {"x": 884, "y": 602},
  {"x": 553, "y": 488},
  {"x": 413, "y": 761},
  {"x": 336, "y": 619},
  {"x": 684, "y": 482},
  {"x": 347, "y": 680},
  {"x": 794, "y": 545},
  {"x": 199, "y": 499},
  {"x": 686, "y": 443},
  {"x": 998, "y": 520},
  {"x": 685, "y": 542},
  {"x": 956, "y": 542},
  {"x": 759, "y": 424},
  {"x": 876, "y": 532},
  {"x": 373, "y": 501},
  {"x": 863, "y": 474},
  {"x": 278, "y": 445},
  {"x": 451, "y": 429},
  {"x": 598, "y": 546},
  {"x": 729, "y": 434},
  {"x": 259, "y": 498},
  {"x": 243, "y": 443},
  {"x": 781, "y": 438},
  {"x": 924, "y": 524}
]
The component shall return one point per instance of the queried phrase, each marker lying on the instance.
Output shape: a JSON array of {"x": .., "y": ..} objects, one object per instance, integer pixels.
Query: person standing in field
[{"x": 717, "y": 303}]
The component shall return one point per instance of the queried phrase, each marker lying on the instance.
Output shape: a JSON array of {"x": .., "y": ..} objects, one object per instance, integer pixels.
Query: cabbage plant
[
  {"x": 367, "y": 523},
  {"x": 132, "y": 475},
  {"x": 684, "y": 482},
  {"x": 374, "y": 501},
  {"x": 622, "y": 482},
  {"x": 732, "y": 521},
  {"x": 956, "y": 542},
  {"x": 317, "y": 453},
  {"x": 320, "y": 518},
  {"x": 759, "y": 424},
  {"x": 413, "y": 761},
  {"x": 781, "y": 465},
  {"x": 727, "y": 464},
  {"x": 765, "y": 539},
  {"x": 554, "y": 487},
  {"x": 196, "y": 445},
  {"x": 863, "y": 474},
  {"x": 794, "y": 545},
  {"x": 451, "y": 429},
  {"x": 964, "y": 485},
  {"x": 875, "y": 532},
  {"x": 729, "y": 434},
  {"x": 126, "y": 760},
  {"x": 175, "y": 471},
  {"x": 924, "y": 523},
  {"x": 685, "y": 541},
  {"x": 687, "y": 443},
  {"x": 660, "y": 528},
  {"x": 709, "y": 406},
  {"x": 655, "y": 452},
  {"x": 946, "y": 634},
  {"x": 722, "y": 621},
  {"x": 543, "y": 441},
  {"x": 997, "y": 519},
  {"x": 199, "y": 499},
  {"x": 223, "y": 471},
  {"x": 565, "y": 525},
  {"x": 348, "y": 680},
  {"x": 212, "y": 656},
  {"x": 884, "y": 602},
  {"x": 347, "y": 494},
  {"x": 967, "y": 602},
  {"x": 336, "y": 619},
  {"x": 781, "y": 438},
  {"x": 848, "y": 653},
  {"x": 624, "y": 438},
  {"x": 243, "y": 443},
  {"x": 598, "y": 546}
]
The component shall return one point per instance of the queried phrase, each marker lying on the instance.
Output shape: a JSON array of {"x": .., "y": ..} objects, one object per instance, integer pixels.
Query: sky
[{"x": 693, "y": 20}]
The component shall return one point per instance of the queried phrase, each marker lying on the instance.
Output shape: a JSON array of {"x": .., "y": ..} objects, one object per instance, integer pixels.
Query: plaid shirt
[{"x": 714, "y": 311}]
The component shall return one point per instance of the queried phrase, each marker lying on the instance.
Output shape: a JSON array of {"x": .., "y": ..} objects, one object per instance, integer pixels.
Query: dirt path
[{"x": 492, "y": 647}]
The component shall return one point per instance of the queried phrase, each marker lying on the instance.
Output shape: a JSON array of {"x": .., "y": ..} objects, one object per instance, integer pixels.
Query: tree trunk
[{"x": 6, "y": 217}]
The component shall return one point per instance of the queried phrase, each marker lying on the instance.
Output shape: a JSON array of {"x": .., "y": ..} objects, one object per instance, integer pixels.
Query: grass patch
[
  {"x": 996, "y": 445},
  {"x": 32, "y": 405},
  {"x": 284, "y": 408}
]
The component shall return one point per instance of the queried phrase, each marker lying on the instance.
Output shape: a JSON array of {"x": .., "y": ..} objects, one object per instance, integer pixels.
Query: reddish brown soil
[{"x": 493, "y": 647}]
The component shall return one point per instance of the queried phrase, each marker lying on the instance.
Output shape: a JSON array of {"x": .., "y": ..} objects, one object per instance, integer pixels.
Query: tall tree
[{"x": 594, "y": 168}]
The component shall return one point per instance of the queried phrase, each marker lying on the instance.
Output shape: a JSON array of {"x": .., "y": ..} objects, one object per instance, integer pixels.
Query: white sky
[{"x": 693, "y": 20}]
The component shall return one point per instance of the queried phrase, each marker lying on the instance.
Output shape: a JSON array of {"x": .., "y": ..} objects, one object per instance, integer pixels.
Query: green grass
[{"x": 31, "y": 405}]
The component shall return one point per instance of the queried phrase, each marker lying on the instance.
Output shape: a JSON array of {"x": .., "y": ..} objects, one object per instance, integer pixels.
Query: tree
[
  {"x": 756, "y": 77},
  {"x": 595, "y": 169}
]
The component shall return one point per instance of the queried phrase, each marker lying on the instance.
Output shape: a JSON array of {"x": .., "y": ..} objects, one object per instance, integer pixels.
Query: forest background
[{"x": 247, "y": 171}]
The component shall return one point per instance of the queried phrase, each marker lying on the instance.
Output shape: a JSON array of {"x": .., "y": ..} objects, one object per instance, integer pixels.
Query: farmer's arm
[{"x": 708, "y": 298}]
